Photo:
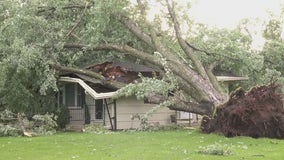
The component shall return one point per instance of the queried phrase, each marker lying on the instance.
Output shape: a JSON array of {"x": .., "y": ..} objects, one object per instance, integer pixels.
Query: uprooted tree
[
  {"x": 42, "y": 38},
  {"x": 257, "y": 113}
]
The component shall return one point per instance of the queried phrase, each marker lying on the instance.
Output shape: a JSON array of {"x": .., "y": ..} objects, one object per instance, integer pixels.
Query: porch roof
[{"x": 87, "y": 88}]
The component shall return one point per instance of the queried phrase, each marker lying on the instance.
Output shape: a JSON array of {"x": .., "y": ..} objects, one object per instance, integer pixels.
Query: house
[{"x": 91, "y": 102}]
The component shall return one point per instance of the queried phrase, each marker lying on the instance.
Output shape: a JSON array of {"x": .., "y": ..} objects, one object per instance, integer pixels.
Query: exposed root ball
[{"x": 258, "y": 113}]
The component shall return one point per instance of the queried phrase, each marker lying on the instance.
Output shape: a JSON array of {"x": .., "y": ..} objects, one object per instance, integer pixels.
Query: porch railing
[{"x": 77, "y": 114}]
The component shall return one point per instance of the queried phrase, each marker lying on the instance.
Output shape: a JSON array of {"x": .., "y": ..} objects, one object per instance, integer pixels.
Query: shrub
[
  {"x": 7, "y": 116},
  {"x": 63, "y": 117},
  {"x": 12, "y": 124},
  {"x": 8, "y": 130},
  {"x": 45, "y": 124},
  {"x": 8, "y": 124}
]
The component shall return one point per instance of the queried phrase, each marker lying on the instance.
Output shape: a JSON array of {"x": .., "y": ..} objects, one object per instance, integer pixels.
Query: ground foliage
[
  {"x": 10, "y": 125},
  {"x": 257, "y": 113}
]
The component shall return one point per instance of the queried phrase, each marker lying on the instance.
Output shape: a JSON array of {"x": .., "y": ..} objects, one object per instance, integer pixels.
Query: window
[
  {"x": 70, "y": 94},
  {"x": 74, "y": 95},
  {"x": 59, "y": 96}
]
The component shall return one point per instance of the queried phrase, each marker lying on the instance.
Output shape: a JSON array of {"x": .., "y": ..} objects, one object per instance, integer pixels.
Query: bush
[
  {"x": 63, "y": 117},
  {"x": 44, "y": 124},
  {"x": 8, "y": 124},
  {"x": 7, "y": 130},
  {"x": 11, "y": 124},
  {"x": 7, "y": 116}
]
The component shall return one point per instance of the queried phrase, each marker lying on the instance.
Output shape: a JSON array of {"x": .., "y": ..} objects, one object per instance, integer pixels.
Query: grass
[{"x": 164, "y": 145}]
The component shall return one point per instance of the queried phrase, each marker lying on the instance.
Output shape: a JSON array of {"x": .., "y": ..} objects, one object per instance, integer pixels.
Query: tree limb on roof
[{"x": 109, "y": 83}]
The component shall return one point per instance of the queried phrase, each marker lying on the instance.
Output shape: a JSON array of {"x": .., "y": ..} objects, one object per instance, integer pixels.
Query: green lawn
[{"x": 171, "y": 145}]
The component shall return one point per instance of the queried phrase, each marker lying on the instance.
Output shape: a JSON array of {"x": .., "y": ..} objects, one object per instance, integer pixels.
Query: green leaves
[
  {"x": 231, "y": 49},
  {"x": 272, "y": 52},
  {"x": 146, "y": 88},
  {"x": 273, "y": 29}
]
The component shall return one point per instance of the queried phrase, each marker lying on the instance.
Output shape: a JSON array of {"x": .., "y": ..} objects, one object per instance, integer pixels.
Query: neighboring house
[{"x": 90, "y": 102}]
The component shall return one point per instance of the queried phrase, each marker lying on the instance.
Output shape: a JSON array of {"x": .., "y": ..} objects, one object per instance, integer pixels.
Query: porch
[{"x": 99, "y": 114}]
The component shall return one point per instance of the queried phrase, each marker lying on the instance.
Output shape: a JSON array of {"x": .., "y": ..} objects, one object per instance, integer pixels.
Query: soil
[{"x": 257, "y": 113}]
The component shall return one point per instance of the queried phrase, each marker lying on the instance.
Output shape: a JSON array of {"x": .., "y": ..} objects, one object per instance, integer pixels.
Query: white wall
[{"x": 127, "y": 107}]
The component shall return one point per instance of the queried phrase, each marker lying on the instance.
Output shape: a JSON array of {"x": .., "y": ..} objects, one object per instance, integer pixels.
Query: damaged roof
[
  {"x": 124, "y": 72},
  {"x": 128, "y": 66}
]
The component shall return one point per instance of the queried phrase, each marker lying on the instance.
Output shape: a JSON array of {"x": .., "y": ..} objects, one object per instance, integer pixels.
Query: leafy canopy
[{"x": 33, "y": 34}]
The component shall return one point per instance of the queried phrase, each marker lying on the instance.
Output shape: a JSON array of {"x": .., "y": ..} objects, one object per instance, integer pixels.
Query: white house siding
[
  {"x": 90, "y": 102},
  {"x": 91, "y": 106},
  {"x": 127, "y": 107}
]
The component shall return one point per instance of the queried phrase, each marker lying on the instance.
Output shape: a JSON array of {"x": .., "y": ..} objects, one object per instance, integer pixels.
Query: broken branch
[
  {"x": 188, "y": 50},
  {"x": 78, "y": 21},
  {"x": 124, "y": 49},
  {"x": 112, "y": 84}
]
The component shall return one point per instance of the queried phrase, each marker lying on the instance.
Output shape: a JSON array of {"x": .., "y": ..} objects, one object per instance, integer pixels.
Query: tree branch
[
  {"x": 70, "y": 6},
  {"x": 124, "y": 49},
  {"x": 209, "y": 53},
  {"x": 112, "y": 84},
  {"x": 212, "y": 77},
  {"x": 203, "y": 108},
  {"x": 153, "y": 34},
  {"x": 78, "y": 21},
  {"x": 198, "y": 49},
  {"x": 156, "y": 44},
  {"x": 188, "y": 50},
  {"x": 132, "y": 26},
  {"x": 177, "y": 68},
  {"x": 191, "y": 90}
]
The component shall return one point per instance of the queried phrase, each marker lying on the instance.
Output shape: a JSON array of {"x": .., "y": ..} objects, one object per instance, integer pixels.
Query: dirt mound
[{"x": 258, "y": 113}]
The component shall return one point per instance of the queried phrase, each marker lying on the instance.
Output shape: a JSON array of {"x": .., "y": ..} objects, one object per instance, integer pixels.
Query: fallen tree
[
  {"x": 257, "y": 113},
  {"x": 59, "y": 35},
  {"x": 12, "y": 124},
  {"x": 39, "y": 41}
]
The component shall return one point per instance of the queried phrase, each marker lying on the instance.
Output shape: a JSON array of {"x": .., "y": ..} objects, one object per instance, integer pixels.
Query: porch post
[
  {"x": 115, "y": 116},
  {"x": 110, "y": 120}
]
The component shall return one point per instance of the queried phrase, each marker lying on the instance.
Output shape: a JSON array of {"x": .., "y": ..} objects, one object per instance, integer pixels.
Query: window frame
[{"x": 76, "y": 93}]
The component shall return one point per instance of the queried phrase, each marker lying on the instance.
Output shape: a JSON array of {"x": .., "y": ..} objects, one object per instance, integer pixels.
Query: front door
[{"x": 99, "y": 110}]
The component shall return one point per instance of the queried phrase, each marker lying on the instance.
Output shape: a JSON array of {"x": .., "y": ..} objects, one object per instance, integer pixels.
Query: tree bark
[
  {"x": 109, "y": 83},
  {"x": 202, "y": 108}
]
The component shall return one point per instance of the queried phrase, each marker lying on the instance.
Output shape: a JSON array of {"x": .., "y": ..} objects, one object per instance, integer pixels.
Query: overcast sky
[{"x": 227, "y": 13}]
